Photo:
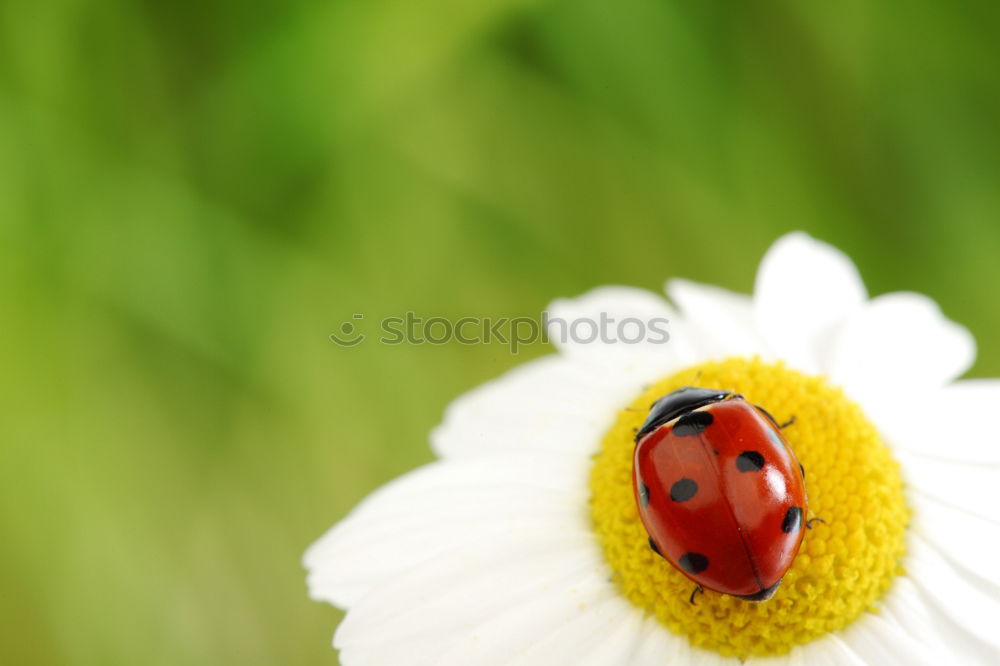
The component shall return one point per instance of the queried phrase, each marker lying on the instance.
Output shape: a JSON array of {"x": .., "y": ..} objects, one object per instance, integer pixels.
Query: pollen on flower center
[{"x": 844, "y": 566}]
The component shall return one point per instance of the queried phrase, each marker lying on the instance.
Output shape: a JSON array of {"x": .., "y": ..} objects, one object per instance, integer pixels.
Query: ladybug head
[{"x": 678, "y": 403}]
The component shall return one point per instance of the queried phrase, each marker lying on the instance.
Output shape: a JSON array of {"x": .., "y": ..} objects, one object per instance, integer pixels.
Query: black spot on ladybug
[
  {"x": 683, "y": 490},
  {"x": 652, "y": 544},
  {"x": 803, "y": 470},
  {"x": 643, "y": 494},
  {"x": 693, "y": 424},
  {"x": 693, "y": 563},
  {"x": 792, "y": 521},
  {"x": 749, "y": 461}
]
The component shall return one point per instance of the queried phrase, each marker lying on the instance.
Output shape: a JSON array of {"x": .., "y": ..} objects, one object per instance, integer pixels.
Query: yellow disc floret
[{"x": 845, "y": 564}]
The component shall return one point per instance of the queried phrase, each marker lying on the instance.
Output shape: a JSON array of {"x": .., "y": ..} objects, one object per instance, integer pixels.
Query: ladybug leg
[
  {"x": 787, "y": 423},
  {"x": 697, "y": 590},
  {"x": 809, "y": 523}
]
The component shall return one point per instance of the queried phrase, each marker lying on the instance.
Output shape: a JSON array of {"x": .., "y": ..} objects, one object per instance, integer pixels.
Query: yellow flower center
[{"x": 844, "y": 565}]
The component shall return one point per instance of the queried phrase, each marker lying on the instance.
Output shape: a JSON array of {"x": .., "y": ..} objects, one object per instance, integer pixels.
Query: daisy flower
[{"x": 522, "y": 544}]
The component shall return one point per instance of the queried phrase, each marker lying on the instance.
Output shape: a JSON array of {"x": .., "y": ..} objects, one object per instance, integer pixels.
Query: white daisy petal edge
[
  {"x": 487, "y": 556},
  {"x": 898, "y": 342},
  {"x": 721, "y": 321},
  {"x": 804, "y": 291},
  {"x": 571, "y": 327},
  {"x": 565, "y": 403}
]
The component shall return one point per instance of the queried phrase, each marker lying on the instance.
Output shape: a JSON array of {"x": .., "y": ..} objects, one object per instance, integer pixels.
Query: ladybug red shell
[{"x": 719, "y": 491}]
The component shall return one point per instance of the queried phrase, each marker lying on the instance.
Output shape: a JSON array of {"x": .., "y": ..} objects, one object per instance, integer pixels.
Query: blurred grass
[{"x": 194, "y": 195}]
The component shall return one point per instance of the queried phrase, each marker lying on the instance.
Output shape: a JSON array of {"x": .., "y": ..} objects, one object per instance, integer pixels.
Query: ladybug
[{"x": 719, "y": 491}]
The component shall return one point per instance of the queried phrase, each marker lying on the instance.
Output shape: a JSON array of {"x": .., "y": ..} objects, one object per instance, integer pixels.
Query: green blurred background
[{"x": 194, "y": 195}]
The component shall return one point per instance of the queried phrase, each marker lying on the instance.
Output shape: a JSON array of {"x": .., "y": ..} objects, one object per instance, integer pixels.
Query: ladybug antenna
[{"x": 732, "y": 394}]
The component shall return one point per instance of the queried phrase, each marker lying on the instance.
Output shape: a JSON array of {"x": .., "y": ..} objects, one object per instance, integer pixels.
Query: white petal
[
  {"x": 652, "y": 644},
  {"x": 972, "y": 609},
  {"x": 556, "y": 403},
  {"x": 615, "y": 323},
  {"x": 827, "y": 650},
  {"x": 880, "y": 640},
  {"x": 969, "y": 543},
  {"x": 972, "y": 488},
  {"x": 952, "y": 423},
  {"x": 899, "y": 343},
  {"x": 606, "y": 632},
  {"x": 933, "y": 632},
  {"x": 437, "y": 508},
  {"x": 438, "y": 607},
  {"x": 721, "y": 322},
  {"x": 486, "y": 604},
  {"x": 658, "y": 645},
  {"x": 804, "y": 290}
]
